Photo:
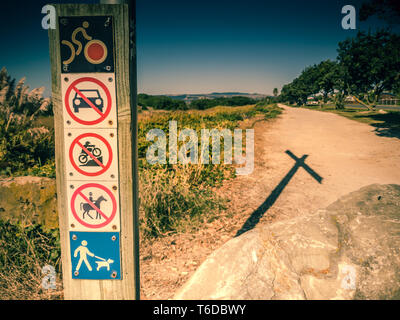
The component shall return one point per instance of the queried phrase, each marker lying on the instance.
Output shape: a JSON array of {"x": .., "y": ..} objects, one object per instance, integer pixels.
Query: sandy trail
[{"x": 346, "y": 154}]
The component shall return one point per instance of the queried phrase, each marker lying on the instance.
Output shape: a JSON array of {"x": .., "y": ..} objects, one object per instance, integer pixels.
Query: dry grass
[
  {"x": 24, "y": 251},
  {"x": 18, "y": 285}
]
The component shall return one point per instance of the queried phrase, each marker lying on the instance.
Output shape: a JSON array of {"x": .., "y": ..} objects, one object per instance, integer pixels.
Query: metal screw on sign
[
  {"x": 114, "y": 274},
  {"x": 107, "y": 23},
  {"x": 113, "y": 238},
  {"x": 74, "y": 237},
  {"x": 76, "y": 273}
]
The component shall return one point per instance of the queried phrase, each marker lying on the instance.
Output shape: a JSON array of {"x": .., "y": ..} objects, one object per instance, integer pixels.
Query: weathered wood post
[{"x": 93, "y": 66}]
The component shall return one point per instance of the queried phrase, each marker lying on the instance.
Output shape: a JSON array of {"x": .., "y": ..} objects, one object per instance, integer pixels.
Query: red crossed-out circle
[
  {"x": 102, "y": 116},
  {"x": 107, "y": 219},
  {"x": 76, "y": 142}
]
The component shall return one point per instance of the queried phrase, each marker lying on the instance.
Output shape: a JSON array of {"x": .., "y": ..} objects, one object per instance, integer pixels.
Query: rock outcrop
[
  {"x": 27, "y": 200},
  {"x": 350, "y": 250}
]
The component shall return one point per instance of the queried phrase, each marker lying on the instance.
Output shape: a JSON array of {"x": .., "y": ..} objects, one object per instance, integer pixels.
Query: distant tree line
[
  {"x": 366, "y": 66},
  {"x": 203, "y": 104},
  {"x": 167, "y": 103},
  {"x": 160, "y": 102}
]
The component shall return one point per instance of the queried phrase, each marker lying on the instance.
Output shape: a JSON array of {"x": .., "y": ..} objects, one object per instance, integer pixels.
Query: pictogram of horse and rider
[{"x": 86, "y": 207}]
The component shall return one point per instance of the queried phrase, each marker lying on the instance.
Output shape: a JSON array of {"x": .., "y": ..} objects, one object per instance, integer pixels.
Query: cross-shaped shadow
[{"x": 255, "y": 217}]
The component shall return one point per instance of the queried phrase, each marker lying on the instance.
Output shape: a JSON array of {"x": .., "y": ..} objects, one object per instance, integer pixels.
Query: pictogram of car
[{"x": 92, "y": 95}]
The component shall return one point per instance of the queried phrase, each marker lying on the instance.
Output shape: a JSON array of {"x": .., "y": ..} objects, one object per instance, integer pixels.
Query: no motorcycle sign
[{"x": 92, "y": 154}]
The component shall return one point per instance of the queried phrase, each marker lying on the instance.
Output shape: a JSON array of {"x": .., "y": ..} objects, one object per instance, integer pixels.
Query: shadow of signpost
[{"x": 255, "y": 217}]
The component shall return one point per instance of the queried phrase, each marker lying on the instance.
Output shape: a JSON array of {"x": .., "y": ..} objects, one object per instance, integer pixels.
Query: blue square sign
[{"x": 95, "y": 255}]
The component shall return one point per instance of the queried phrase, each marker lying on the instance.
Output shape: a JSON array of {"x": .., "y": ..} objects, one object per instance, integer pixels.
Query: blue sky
[{"x": 198, "y": 46}]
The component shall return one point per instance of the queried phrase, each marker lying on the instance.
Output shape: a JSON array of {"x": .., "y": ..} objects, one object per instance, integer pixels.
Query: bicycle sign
[
  {"x": 91, "y": 154},
  {"x": 89, "y": 101},
  {"x": 86, "y": 44}
]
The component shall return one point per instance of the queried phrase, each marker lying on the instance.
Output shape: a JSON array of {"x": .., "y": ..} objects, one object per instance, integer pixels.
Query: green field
[{"x": 386, "y": 122}]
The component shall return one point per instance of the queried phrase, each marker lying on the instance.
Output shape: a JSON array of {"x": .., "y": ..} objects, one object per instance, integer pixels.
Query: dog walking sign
[
  {"x": 95, "y": 255},
  {"x": 94, "y": 91}
]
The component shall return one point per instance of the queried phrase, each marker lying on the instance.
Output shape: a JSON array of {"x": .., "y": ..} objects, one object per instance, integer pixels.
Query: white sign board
[
  {"x": 93, "y": 206},
  {"x": 91, "y": 154},
  {"x": 89, "y": 100}
]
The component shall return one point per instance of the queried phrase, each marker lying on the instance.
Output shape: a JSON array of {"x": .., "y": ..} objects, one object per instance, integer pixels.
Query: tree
[
  {"x": 275, "y": 92},
  {"x": 370, "y": 65},
  {"x": 160, "y": 102},
  {"x": 327, "y": 77},
  {"x": 387, "y": 10}
]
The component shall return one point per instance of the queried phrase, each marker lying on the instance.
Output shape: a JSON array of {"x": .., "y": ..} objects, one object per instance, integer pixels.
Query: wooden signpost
[{"x": 93, "y": 65}]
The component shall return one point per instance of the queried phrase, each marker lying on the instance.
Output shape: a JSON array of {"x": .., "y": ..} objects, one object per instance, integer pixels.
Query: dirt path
[{"x": 347, "y": 155}]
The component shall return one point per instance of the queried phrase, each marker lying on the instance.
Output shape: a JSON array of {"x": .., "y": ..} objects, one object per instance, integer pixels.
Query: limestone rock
[
  {"x": 350, "y": 250},
  {"x": 29, "y": 200}
]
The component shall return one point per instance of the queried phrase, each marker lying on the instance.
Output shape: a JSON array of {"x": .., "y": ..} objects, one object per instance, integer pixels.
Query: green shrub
[
  {"x": 170, "y": 203},
  {"x": 160, "y": 102},
  {"x": 22, "y": 145},
  {"x": 175, "y": 197}
]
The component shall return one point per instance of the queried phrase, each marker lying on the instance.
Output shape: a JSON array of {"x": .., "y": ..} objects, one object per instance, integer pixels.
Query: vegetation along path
[{"x": 304, "y": 160}]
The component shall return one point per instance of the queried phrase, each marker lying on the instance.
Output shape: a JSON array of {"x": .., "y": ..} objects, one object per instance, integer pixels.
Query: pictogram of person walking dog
[{"x": 83, "y": 252}]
